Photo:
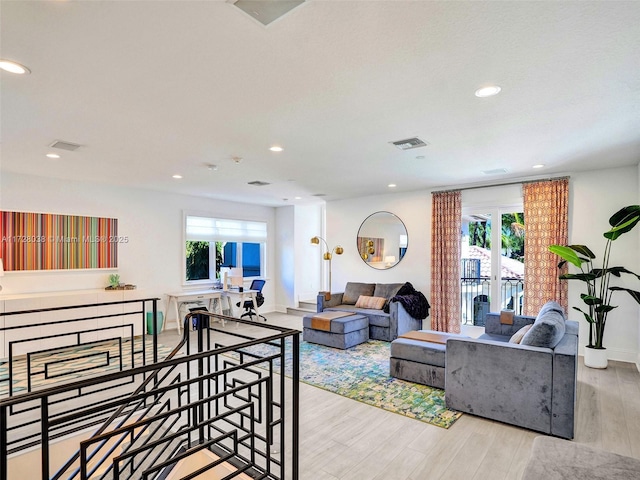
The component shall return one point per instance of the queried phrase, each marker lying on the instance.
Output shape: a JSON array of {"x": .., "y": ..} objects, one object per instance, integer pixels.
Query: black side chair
[{"x": 248, "y": 304}]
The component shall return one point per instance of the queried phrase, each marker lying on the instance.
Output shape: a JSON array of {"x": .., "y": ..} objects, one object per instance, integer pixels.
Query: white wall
[
  {"x": 343, "y": 221},
  {"x": 153, "y": 222},
  {"x": 285, "y": 257},
  {"x": 594, "y": 197},
  {"x": 309, "y": 222}
]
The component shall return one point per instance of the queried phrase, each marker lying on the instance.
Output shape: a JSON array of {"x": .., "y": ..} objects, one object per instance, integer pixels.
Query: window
[
  {"x": 213, "y": 244},
  {"x": 492, "y": 278}
]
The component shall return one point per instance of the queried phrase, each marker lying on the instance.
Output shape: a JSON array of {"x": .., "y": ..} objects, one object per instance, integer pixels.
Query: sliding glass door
[{"x": 492, "y": 269}]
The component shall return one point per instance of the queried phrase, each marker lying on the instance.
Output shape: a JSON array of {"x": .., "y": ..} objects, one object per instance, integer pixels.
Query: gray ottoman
[
  {"x": 345, "y": 332},
  {"x": 419, "y": 361}
]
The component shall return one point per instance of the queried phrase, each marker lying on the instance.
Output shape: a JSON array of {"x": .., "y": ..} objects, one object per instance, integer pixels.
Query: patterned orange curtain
[
  {"x": 446, "y": 223},
  {"x": 546, "y": 216}
]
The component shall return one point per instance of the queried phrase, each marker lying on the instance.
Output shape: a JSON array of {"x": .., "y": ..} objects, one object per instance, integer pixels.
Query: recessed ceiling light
[
  {"x": 488, "y": 91},
  {"x": 53, "y": 155},
  {"x": 276, "y": 148},
  {"x": 392, "y": 185},
  {"x": 177, "y": 176},
  {"x": 298, "y": 198},
  {"x": 539, "y": 165},
  {"x": 13, "y": 67}
]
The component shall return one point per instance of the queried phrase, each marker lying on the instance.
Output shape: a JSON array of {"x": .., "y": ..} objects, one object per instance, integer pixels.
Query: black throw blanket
[{"x": 413, "y": 301}]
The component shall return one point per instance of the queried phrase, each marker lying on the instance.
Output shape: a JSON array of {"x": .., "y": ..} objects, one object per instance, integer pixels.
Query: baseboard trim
[{"x": 617, "y": 355}]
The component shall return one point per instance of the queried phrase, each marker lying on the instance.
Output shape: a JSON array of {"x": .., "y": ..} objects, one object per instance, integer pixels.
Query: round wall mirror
[{"x": 382, "y": 240}]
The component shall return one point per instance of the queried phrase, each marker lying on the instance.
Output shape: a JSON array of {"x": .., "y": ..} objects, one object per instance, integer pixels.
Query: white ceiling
[{"x": 154, "y": 88}]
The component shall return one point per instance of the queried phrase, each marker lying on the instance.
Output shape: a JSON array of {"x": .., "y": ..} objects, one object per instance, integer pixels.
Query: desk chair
[{"x": 248, "y": 304}]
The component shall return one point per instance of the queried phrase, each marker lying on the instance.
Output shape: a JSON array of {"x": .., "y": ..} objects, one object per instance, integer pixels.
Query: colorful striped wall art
[{"x": 45, "y": 241}]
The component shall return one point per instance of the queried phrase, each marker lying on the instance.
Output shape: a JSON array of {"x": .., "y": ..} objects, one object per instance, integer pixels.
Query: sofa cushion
[
  {"x": 550, "y": 306},
  {"x": 548, "y": 329},
  {"x": 419, "y": 351},
  {"x": 375, "y": 303},
  {"x": 353, "y": 290},
  {"x": 519, "y": 335},
  {"x": 387, "y": 290}
]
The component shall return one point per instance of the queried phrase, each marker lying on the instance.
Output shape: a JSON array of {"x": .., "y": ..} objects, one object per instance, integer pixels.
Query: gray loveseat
[
  {"x": 529, "y": 386},
  {"x": 382, "y": 325}
]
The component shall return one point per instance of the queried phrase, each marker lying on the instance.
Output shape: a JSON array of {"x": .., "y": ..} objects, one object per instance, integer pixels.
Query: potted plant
[
  {"x": 114, "y": 280},
  {"x": 598, "y": 295}
]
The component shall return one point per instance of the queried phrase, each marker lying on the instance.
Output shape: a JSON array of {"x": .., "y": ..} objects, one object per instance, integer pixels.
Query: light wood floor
[{"x": 348, "y": 440}]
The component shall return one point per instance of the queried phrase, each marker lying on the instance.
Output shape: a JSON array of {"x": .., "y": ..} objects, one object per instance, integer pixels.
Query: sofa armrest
[
  {"x": 502, "y": 381},
  {"x": 322, "y": 304},
  {"x": 400, "y": 321},
  {"x": 565, "y": 386}
]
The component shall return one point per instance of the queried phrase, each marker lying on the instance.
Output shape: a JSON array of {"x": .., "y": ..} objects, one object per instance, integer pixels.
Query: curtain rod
[{"x": 474, "y": 187}]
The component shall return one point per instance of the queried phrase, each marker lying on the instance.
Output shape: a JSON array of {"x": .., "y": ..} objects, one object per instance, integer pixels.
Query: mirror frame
[{"x": 368, "y": 245}]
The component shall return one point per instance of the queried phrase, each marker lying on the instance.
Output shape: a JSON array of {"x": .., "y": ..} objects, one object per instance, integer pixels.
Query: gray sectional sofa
[
  {"x": 522, "y": 384},
  {"x": 382, "y": 325}
]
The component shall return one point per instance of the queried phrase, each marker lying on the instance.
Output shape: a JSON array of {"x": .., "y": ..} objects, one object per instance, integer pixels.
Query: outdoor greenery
[
  {"x": 480, "y": 234},
  {"x": 198, "y": 259},
  {"x": 599, "y": 291},
  {"x": 512, "y": 235}
]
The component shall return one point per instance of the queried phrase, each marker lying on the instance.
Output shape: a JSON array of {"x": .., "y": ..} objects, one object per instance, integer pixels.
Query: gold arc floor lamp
[{"x": 327, "y": 255}]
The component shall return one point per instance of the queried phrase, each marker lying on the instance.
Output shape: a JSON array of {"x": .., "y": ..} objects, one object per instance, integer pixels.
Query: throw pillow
[
  {"x": 547, "y": 330},
  {"x": 370, "y": 302},
  {"x": 353, "y": 290},
  {"x": 518, "y": 336},
  {"x": 550, "y": 306}
]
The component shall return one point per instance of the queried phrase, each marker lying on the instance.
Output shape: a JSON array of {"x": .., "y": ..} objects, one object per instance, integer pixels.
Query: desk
[
  {"x": 244, "y": 295},
  {"x": 189, "y": 296}
]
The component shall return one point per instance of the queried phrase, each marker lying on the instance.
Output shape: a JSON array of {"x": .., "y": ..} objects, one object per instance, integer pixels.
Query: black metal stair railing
[{"x": 229, "y": 401}]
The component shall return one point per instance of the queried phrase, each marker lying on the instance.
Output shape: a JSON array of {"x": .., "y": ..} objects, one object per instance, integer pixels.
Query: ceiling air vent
[
  {"x": 497, "y": 171},
  {"x": 259, "y": 183},
  {"x": 409, "y": 143},
  {"x": 65, "y": 145},
  {"x": 266, "y": 11},
  {"x": 319, "y": 195}
]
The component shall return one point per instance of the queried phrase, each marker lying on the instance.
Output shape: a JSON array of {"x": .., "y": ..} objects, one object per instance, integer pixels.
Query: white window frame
[
  {"x": 241, "y": 231},
  {"x": 496, "y": 212}
]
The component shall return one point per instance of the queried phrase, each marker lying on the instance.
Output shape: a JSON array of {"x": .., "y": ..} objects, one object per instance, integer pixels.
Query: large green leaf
[
  {"x": 633, "y": 293},
  {"x": 585, "y": 277},
  {"x": 623, "y": 221},
  {"x": 586, "y": 315},
  {"x": 566, "y": 253},
  {"x": 624, "y": 214},
  {"x": 583, "y": 250},
  {"x": 618, "y": 270},
  {"x": 590, "y": 299},
  {"x": 604, "y": 308}
]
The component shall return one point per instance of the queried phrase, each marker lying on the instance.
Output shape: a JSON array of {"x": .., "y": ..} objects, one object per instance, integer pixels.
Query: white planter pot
[{"x": 595, "y": 357}]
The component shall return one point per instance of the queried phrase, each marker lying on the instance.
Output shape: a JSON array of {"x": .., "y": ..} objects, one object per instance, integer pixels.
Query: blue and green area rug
[{"x": 362, "y": 373}]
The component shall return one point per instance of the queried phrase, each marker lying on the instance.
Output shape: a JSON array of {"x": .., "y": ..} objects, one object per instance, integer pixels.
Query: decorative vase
[{"x": 595, "y": 357}]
